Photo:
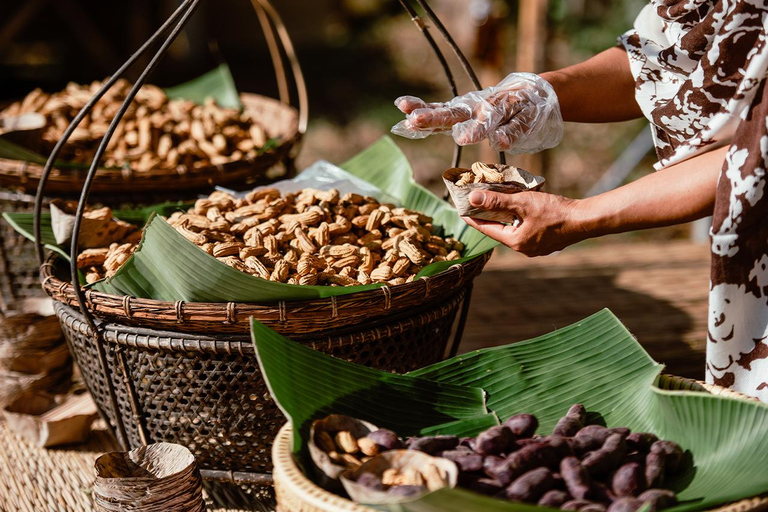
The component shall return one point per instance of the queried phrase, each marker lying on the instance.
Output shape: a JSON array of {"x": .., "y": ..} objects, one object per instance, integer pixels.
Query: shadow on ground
[{"x": 514, "y": 305}]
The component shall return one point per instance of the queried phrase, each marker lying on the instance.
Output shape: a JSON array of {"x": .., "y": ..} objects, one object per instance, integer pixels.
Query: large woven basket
[
  {"x": 281, "y": 120},
  {"x": 205, "y": 391},
  {"x": 19, "y": 268},
  {"x": 296, "y": 493}
]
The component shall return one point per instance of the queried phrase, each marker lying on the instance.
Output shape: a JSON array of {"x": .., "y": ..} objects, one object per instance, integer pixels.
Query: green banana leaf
[
  {"x": 217, "y": 84},
  {"x": 24, "y": 223},
  {"x": 596, "y": 362},
  {"x": 160, "y": 267}
]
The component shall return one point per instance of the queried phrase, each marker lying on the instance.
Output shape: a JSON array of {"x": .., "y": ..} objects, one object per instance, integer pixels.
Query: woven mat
[{"x": 59, "y": 480}]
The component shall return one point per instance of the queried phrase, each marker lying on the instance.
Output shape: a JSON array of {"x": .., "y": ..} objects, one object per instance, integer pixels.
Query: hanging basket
[{"x": 287, "y": 124}]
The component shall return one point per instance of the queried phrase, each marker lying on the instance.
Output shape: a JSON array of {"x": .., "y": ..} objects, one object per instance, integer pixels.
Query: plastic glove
[{"x": 520, "y": 115}]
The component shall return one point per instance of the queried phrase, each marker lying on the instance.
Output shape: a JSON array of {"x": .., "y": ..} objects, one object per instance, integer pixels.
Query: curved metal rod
[
  {"x": 443, "y": 62},
  {"x": 459, "y": 54},
  {"x": 81, "y": 115},
  {"x": 100, "y": 153},
  {"x": 293, "y": 60},
  {"x": 274, "y": 53}
]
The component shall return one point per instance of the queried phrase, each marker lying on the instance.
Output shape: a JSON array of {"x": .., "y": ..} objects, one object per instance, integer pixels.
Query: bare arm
[
  {"x": 598, "y": 90},
  {"x": 679, "y": 193}
]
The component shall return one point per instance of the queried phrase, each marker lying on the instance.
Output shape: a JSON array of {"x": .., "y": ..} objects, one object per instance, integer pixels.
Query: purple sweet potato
[
  {"x": 487, "y": 486},
  {"x": 625, "y": 505},
  {"x": 531, "y": 486},
  {"x": 561, "y": 446},
  {"x": 659, "y": 498},
  {"x": 640, "y": 441},
  {"x": 522, "y": 425},
  {"x": 572, "y": 422},
  {"x": 607, "y": 458},
  {"x": 582, "y": 505},
  {"x": 466, "y": 460},
  {"x": 673, "y": 455},
  {"x": 385, "y": 439},
  {"x": 554, "y": 498},
  {"x": 433, "y": 444},
  {"x": 495, "y": 441},
  {"x": 654, "y": 469},
  {"x": 576, "y": 478},
  {"x": 629, "y": 480}
]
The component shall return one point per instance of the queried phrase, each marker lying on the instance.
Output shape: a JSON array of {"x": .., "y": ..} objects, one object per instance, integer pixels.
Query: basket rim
[
  {"x": 289, "y": 479},
  {"x": 329, "y": 311},
  {"x": 26, "y": 175},
  {"x": 153, "y": 339}
]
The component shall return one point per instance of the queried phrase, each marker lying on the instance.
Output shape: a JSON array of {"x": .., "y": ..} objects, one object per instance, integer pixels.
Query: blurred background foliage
[{"x": 358, "y": 56}]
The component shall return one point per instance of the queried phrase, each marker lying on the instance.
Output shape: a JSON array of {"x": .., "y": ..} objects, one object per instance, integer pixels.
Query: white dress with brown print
[{"x": 700, "y": 68}]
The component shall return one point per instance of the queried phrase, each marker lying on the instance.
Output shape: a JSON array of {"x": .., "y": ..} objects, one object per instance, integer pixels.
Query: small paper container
[
  {"x": 159, "y": 477},
  {"x": 516, "y": 180}
]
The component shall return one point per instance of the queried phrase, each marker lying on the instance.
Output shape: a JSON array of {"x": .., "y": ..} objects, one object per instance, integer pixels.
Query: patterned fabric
[{"x": 700, "y": 68}]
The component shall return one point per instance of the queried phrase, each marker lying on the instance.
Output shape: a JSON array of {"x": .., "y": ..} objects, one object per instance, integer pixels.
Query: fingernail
[{"x": 476, "y": 198}]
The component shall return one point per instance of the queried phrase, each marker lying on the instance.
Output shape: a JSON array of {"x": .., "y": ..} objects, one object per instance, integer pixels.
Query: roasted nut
[{"x": 346, "y": 442}]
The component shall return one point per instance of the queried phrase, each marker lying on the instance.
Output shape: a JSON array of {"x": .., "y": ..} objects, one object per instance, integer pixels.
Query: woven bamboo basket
[
  {"x": 296, "y": 493},
  {"x": 19, "y": 269}
]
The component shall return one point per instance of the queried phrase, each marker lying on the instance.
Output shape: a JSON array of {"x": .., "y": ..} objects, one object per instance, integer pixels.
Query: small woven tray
[
  {"x": 296, "y": 493},
  {"x": 283, "y": 124},
  {"x": 305, "y": 317}
]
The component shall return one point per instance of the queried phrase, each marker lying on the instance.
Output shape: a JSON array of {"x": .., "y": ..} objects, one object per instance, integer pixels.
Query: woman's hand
[
  {"x": 520, "y": 115},
  {"x": 542, "y": 223},
  {"x": 539, "y": 223}
]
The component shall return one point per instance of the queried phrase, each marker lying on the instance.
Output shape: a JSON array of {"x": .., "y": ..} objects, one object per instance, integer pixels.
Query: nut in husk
[
  {"x": 495, "y": 177},
  {"x": 329, "y": 440}
]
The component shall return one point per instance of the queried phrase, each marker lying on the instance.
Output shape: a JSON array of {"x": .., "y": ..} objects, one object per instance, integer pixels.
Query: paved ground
[{"x": 659, "y": 290}]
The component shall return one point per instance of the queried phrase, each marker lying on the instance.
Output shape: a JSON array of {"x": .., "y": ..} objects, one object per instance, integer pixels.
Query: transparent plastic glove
[{"x": 519, "y": 115}]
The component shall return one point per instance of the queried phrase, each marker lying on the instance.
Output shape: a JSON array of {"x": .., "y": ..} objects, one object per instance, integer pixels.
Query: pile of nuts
[
  {"x": 589, "y": 468},
  {"x": 156, "y": 133},
  {"x": 311, "y": 237},
  {"x": 480, "y": 173}
]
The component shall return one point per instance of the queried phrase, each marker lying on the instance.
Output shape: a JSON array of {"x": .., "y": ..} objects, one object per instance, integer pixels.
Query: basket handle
[
  {"x": 424, "y": 29},
  {"x": 280, "y": 44}
]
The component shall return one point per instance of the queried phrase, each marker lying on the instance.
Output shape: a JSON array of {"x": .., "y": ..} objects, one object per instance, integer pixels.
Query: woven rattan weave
[
  {"x": 296, "y": 493},
  {"x": 206, "y": 392}
]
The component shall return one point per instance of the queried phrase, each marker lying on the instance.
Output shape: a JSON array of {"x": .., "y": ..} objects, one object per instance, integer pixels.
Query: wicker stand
[{"x": 296, "y": 493}]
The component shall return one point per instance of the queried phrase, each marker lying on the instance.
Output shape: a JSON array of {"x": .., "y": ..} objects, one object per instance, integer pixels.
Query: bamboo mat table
[{"x": 60, "y": 480}]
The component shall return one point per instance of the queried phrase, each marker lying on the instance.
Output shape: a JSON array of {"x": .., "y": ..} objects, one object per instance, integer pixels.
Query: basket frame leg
[{"x": 462, "y": 321}]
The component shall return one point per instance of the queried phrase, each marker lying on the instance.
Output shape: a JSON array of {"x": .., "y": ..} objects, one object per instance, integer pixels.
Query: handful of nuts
[
  {"x": 312, "y": 237},
  {"x": 480, "y": 173},
  {"x": 156, "y": 133}
]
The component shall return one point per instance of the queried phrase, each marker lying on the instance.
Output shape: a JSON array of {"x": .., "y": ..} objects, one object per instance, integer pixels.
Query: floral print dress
[{"x": 700, "y": 68}]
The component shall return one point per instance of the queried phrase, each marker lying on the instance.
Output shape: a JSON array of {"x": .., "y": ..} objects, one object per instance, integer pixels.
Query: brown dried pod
[{"x": 327, "y": 470}]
